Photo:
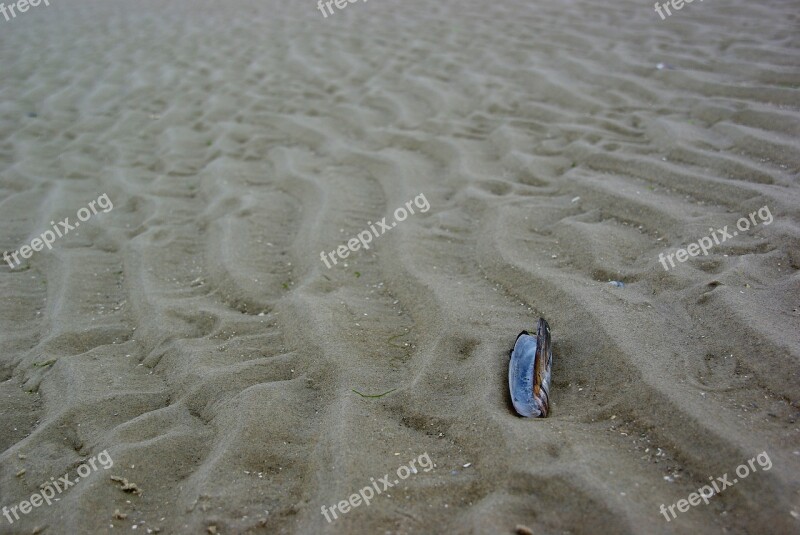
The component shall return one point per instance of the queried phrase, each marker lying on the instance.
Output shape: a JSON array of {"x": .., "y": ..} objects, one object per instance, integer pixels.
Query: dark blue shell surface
[{"x": 529, "y": 372}]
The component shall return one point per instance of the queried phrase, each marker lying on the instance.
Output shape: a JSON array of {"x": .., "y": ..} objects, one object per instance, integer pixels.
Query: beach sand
[{"x": 194, "y": 334}]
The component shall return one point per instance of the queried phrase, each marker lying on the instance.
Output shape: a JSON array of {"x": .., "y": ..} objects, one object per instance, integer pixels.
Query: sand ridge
[{"x": 194, "y": 334}]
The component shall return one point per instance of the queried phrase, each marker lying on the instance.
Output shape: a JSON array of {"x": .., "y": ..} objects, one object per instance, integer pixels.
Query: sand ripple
[{"x": 195, "y": 334}]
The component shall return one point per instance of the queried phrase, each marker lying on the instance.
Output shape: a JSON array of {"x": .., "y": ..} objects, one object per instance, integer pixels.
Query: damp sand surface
[{"x": 240, "y": 384}]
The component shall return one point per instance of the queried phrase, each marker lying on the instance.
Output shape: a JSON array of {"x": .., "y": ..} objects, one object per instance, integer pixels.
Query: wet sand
[{"x": 194, "y": 333}]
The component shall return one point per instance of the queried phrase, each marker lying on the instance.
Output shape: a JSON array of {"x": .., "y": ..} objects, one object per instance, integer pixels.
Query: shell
[{"x": 529, "y": 372}]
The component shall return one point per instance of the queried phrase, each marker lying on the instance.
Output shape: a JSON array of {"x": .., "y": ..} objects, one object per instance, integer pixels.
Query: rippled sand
[{"x": 194, "y": 333}]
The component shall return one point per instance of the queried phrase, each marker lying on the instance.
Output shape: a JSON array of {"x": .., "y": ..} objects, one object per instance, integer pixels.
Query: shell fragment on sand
[{"x": 529, "y": 372}]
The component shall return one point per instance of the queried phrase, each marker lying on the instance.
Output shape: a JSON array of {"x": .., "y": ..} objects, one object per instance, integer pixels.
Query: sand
[{"x": 194, "y": 334}]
